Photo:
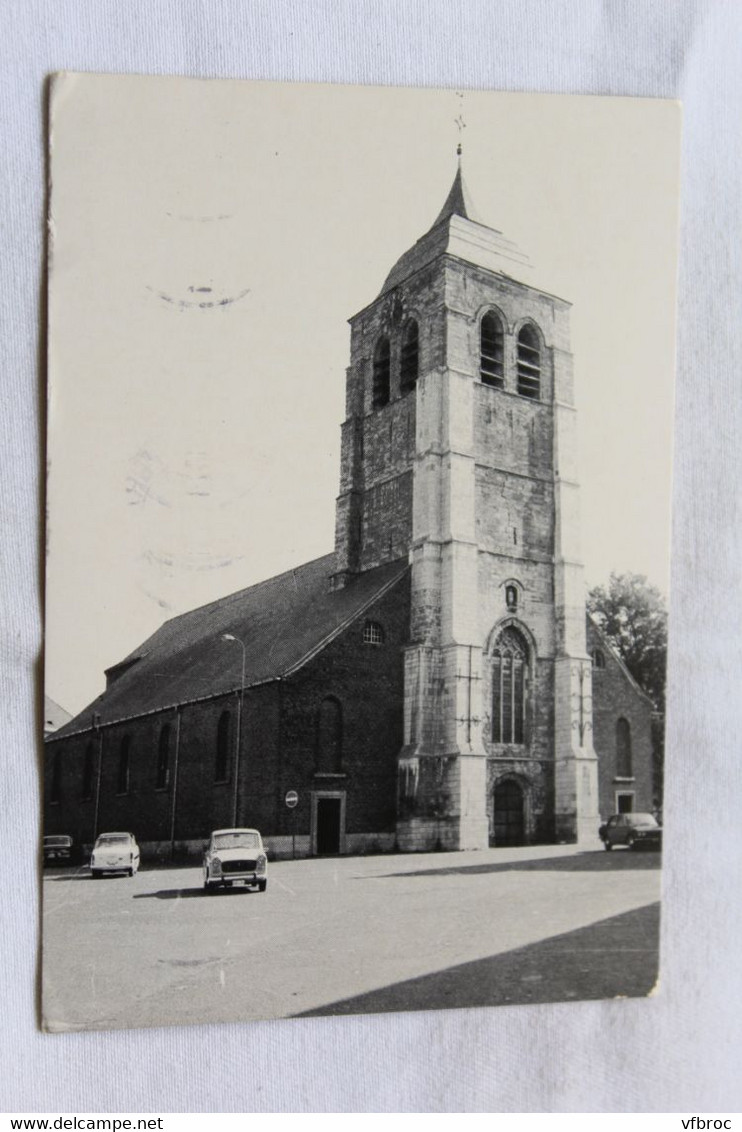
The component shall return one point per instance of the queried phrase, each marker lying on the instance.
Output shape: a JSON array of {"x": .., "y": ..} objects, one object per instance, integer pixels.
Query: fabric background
[{"x": 678, "y": 1051}]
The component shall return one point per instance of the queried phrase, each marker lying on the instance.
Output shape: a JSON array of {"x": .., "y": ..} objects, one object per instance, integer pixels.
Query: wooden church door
[{"x": 509, "y": 814}]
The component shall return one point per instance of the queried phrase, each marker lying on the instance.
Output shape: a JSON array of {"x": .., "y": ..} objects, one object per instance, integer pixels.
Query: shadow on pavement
[
  {"x": 582, "y": 862},
  {"x": 84, "y": 873},
  {"x": 186, "y": 893},
  {"x": 87, "y": 875},
  {"x": 618, "y": 957}
]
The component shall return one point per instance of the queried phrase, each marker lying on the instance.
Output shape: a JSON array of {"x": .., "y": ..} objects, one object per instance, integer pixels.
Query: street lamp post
[{"x": 231, "y": 637}]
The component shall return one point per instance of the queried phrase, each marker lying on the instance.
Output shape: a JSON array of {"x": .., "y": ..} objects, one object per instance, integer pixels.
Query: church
[{"x": 434, "y": 683}]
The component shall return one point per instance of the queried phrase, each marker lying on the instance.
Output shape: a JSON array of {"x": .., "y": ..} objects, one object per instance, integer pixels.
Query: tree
[{"x": 632, "y": 615}]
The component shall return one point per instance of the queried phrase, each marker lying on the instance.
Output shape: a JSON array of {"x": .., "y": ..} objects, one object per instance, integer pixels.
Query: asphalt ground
[{"x": 350, "y": 935}]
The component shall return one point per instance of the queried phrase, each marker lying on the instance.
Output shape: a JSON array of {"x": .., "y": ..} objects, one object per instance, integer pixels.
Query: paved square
[{"x": 349, "y": 935}]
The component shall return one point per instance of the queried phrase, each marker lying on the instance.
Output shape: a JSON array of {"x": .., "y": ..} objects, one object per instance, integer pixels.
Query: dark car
[
  {"x": 58, "y": 849},
  {"x": 635, "y": 831}
]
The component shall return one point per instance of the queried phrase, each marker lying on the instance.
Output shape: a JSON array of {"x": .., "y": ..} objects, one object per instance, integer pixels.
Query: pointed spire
[
  {"x": 458, "y": 201},
  {"x": 489, "y": 248}
]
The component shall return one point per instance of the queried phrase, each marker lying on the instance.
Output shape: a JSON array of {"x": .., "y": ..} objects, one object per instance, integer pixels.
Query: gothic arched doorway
[{"x": 509, "y": 826}]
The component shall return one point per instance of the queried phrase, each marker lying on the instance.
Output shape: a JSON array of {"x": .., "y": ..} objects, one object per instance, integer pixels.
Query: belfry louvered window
[
  {"x": 382, "y": 373},
  {"x": 529, "y": 364},
  {"x": 509, "y": 687},
  {"x": 491, "y": 356},
  {"x": 409, "y": 359}
]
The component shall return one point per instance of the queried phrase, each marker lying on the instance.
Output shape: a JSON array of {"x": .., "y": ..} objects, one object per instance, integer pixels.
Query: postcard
[{"x": 358, "y": 511}]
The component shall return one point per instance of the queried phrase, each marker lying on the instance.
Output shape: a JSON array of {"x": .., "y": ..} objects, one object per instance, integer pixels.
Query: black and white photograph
[{"x": 360, "y": 407}]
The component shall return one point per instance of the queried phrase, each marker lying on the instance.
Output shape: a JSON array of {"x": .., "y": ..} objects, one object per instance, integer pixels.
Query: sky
[{"x": 210, "y": 240}]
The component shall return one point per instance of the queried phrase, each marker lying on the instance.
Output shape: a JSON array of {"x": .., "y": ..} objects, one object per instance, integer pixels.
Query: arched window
[
  {"x": 330, "y": 736},
  {"x": 491, "y": 355},
  {"x": 529, "y": 363},
  {"x": 87, "y": 773},
  {"x": 373, "y": 633},
  {"x": 162, "y": 777},
  {"x": 55, "y": 791},
  {"x": 509, "y": 681},
  {"x": 382, "y": 373},
  {"x": 223, "y": 733},
  {"x": 624, "y": 762},
  {"x": 598, "y": 659},
  {"x": 511, "y": 598},
  {"x": 410, "y": 357},
  {"x": 122, "y": 786}
]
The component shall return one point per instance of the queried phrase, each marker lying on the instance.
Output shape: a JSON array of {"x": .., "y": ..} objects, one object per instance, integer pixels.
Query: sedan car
[
  {"x": 58, "y": 849},
  {"x": 115, "y": 853},
  {"x": 235, "y": 856},
  {"x": 636, "y": 831}
]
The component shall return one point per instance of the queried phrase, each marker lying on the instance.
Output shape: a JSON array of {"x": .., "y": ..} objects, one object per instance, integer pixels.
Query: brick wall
[
  {"x": 616, "y": 697},
  {"x": 367, "y": 681},
  {"x": 144, "y": 808},
  {"x": 278, "y": 750},
  {"x": 72, "y": 814}
]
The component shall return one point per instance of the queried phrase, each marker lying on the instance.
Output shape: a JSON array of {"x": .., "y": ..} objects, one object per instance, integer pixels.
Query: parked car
[
  {"x": 636, "y": 831},
  {"x": 58, "y": 849},
  {"x": 235, "y": 856},
  {"x": 115, "y": 853}
]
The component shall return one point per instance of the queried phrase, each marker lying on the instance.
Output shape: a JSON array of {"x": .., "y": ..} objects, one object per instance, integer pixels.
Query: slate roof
[
  {"x": 458, "y": 231},
  {"x": 458, "y": 202},
  {"x": 283, "y": 623}
]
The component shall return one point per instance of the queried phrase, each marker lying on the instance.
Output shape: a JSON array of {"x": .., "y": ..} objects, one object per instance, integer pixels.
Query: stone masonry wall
[{"x": 374, "y": 507}]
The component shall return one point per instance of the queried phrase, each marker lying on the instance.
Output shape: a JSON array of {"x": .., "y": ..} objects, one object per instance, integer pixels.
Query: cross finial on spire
[{"x": 460, "y": 123}]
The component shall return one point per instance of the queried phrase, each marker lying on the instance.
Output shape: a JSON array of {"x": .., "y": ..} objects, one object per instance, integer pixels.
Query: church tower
[{"x": 459, "y": 453}]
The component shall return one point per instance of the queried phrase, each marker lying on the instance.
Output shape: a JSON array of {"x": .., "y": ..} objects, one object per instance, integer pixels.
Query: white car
[
  {"x": 235, "y": 856},
  {"x": 115, "y": 853}
]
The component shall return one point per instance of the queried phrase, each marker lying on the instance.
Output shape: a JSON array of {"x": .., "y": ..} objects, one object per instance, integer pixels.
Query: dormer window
[
  {"x": 382, "y": 373},
  {"x": 409, "y": 359},
  {"x": 491, "y": 355},
  {"x": 529, "y": 363}
]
